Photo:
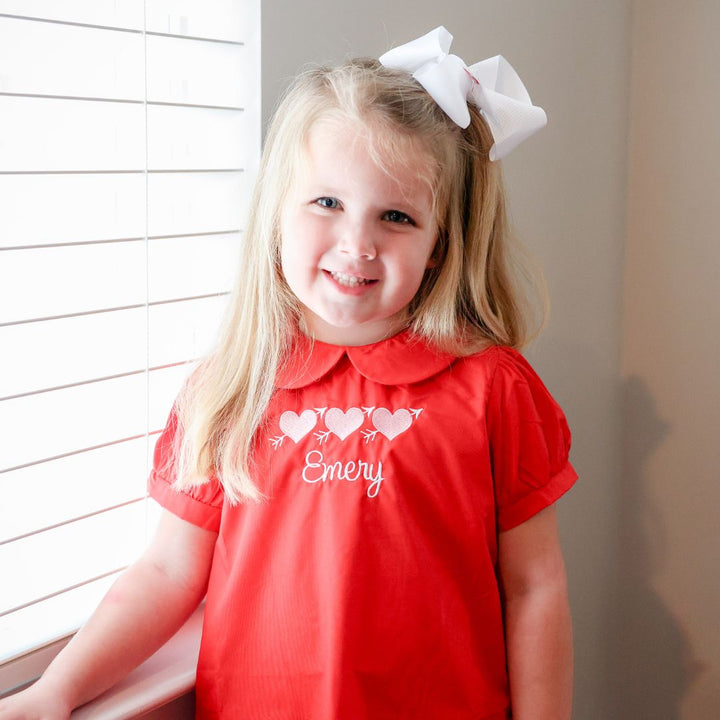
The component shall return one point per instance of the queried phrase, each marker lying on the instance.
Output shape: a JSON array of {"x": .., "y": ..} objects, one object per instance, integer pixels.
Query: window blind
[{"x": 129, "y": 139}]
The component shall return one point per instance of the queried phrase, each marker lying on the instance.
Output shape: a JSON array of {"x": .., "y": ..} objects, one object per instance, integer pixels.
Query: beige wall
[
  {"x": 568, "y": 193},
  {"x": 670, "y": 501}
]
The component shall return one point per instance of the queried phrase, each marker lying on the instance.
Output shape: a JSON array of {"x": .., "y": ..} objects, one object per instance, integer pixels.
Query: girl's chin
[{"x": 349, "y": 331}]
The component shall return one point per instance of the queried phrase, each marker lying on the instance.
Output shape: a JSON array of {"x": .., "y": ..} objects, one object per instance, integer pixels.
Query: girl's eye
[
  {"x": 395, "y": 216},
  {"x": 328, "y": 202}
]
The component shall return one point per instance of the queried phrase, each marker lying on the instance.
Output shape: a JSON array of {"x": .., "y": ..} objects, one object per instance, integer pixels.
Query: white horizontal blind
[{"x": 129, "y": 138}]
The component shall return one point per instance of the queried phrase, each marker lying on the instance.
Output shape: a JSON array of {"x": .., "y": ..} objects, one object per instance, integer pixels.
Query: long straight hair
[{"x": 480, "y": 291}]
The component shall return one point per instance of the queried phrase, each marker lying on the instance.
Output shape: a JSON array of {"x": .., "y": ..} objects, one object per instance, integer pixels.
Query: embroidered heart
[
  {"x": 343, "y": 423},
  {"x": 391, "y": 424},
  {"x": 297, "y": 426}
]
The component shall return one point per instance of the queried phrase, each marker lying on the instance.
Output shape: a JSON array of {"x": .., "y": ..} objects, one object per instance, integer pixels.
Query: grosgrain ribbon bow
[{"x": 492, "y": 85}]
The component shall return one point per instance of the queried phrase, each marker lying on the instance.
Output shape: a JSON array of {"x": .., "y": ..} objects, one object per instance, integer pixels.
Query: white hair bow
[{"x": 492, "y": 85}]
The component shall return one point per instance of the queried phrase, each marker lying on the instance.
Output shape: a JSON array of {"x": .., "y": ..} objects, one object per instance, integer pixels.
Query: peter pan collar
[{"x": 404, "y": 358}]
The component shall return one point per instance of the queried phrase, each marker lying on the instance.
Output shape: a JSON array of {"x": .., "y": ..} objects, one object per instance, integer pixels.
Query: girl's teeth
[{"x": 348, "y": 280}]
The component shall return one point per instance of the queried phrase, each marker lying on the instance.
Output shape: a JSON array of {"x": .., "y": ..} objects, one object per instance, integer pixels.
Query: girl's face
[{"x": 356, "y": 240}]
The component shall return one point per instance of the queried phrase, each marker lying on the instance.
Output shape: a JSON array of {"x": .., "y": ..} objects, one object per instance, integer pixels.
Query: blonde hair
[{"x": 479, "y": 291}]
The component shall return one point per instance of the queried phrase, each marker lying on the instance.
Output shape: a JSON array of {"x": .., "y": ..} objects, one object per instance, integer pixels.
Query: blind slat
[
  {"x": 201, "y": 73},
  {"x": 183, "y": 332},
  {"x": 128, "y": 13},
  {"x": 51, "y": 424},
  {"x": 64, "y": 280},
  {"x": 220, "y": 19},
  {"x": 117, "y": 69},
  {"x": 56, "y": 281},
  {"x": 68, "y": 555},
  {"x": 213, "y": 260},
  {"x": 178, "y": 204},
  {"x": 193, "y": 203},
  {"x": 50, "y": 620},
  {"x": 220, "y": 138},
  {"x": 75, "y": 208},
  {"x": 119, "y": 344},
  {"x": 73, "y": 419},
  {"x": 71, "y": 487},
  {"x": 71, "y": 135},
  {"x": 163, "y": 387},
  {"x": 177, "y": 332}
]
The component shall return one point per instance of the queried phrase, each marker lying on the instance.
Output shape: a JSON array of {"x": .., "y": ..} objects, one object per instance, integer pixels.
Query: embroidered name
[{"x": 317, "y": 470}]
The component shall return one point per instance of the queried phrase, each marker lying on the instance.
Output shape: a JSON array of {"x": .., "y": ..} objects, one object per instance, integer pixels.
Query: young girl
[{"x": 361, "y": 477}]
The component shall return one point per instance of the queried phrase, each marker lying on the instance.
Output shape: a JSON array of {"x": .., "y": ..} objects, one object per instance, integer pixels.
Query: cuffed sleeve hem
[
  {"x": 183, "y": 505},
  {"x": 538, "y": 499}
]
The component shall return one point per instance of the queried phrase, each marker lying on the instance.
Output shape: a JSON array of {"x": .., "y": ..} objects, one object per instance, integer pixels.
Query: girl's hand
[
  {"x": 144, "y": 608},
  {"x": 35, "y": 703}
]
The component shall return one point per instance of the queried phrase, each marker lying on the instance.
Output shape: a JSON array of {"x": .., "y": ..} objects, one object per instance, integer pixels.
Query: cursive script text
[{"x": 317, "y": 470}]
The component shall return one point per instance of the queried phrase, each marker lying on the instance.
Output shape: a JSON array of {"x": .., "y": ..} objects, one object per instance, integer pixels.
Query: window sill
[{"x": 167, "y": 675}]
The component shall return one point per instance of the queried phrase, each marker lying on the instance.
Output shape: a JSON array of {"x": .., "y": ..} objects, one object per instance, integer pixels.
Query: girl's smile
[
  {"x": 349, "y": 281},
  {"x": 357, "y": 238}
]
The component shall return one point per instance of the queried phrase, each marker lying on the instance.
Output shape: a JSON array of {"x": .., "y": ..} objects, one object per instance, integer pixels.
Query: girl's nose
[{"x": 356, "y": 240}]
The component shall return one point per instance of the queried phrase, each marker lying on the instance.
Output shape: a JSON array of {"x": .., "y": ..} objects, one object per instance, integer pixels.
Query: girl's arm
[
  {"x": 142, "y": 610},
  {"x": 537, "y": 619}
]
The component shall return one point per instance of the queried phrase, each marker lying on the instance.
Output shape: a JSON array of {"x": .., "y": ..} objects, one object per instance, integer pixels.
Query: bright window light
[{"x": 129, "y": 141}]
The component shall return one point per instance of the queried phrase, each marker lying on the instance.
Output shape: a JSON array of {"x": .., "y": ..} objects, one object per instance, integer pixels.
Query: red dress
[{"x": 365, "y": 587}]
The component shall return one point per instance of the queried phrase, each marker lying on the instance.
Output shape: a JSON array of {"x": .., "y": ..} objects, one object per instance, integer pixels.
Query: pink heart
[
  {"x": 343, "y": 423},
  {"x": 391, "y": 424},
  {"x": 297, "y": 426}
]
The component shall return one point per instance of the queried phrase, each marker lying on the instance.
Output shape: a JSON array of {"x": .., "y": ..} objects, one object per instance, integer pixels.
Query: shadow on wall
[{"x": 653, "y": 664}]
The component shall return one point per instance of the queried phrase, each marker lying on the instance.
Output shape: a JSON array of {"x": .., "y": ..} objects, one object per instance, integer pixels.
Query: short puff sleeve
[
  {"x": 200, "y": 505},
  {"x": 529, "y": 442}
]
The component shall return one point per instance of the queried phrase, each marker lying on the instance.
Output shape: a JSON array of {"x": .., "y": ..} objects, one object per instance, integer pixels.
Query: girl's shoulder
[
  {"x": 199, "y": 503},
  {"x": 513, "y": 387},
  {"x": 499, "y": 361},
  {"x": 528, "y": 437}
]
